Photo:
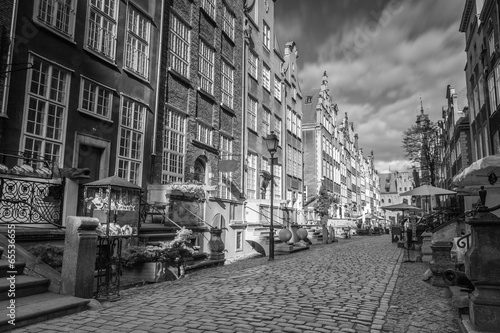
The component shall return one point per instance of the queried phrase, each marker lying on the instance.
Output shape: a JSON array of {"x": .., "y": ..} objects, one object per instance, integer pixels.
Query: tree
[
  {"x": 322, "y": 207},
  {"x": 422, "y": 143}
]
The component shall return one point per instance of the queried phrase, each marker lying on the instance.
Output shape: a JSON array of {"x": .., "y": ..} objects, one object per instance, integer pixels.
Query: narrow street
[{"x": 342, "y": 287}]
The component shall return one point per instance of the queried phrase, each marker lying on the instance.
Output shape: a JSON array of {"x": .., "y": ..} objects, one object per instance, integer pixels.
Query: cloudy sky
[{"x": 380, "y": 57}]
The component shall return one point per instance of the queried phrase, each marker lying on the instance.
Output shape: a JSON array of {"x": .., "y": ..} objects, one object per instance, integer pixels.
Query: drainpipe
[
  {"x": 243, "y": 119},
  {"x": 157, "y": 102}
]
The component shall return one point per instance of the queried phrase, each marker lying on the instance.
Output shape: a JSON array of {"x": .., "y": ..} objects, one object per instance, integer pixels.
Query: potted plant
[{"x": 150, "y": 263}]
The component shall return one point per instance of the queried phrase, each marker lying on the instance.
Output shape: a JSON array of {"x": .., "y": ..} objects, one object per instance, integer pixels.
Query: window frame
[
  {"x": 266, "y": 121},
  {"x": 134, "y": 64},
  {"x": 96, "y": 87},
  {"x": 225, "y": 178},
  {"x": 253, "y": 64},
  {"x": 251, "y": 175},
  {"x": 277, "y": 88},
  {"x": 266, "y": 35},
  {"x": 252, "y": 109},
  {"x": 179, "y": 47},
  {"x": 210, "y": 7},
  {"x": 113, "y": 20},
  {"x": 70, "y": 33},
  {"x": 228, "y": 22},
  {"x": 266, "y": 77},
  {"x": 204, "y": 133},
  {"x": 206, "y": 65},
  {"x": 173, "y": 132},
  {"x": 227, "y": 84}
]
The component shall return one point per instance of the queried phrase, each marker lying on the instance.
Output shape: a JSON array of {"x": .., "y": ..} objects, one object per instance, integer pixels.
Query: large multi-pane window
[
  {"x": 252, "y": 113},
  {"x": 266, "y": 77},
  {"x": 137, "y": 46},
  {"x": 288, "y": 118},
  {"x": 46, "y": 111},
  {"x": 253, "y": 62},
  {"x": 277, "y": 88},
  {"x": 227, "y": 84},
  {"x": 102, "y": 22},
  {"x": 204, "y": 133},
  {"x": 228, "y": 22},
  {"x": 206, "y": 67},
  {"x": 497, "y": 81},
  {"x": 209, "y": 7},
  {"x": 95, "y": 99},
  {"x": 277, "y": 129},
  {"x": 266, "y": 36},
  {"x": 277, "y": 181},
  {"x": 289, "y": 160},
  {"x": 57, "y": 14},
  {"x": 266, "y": 122},
  {"x": 131, "y": 140},
  {"x": 225, "y": 178},
  {"x": 179, "y": 46},
  {"x": 174, "y": 149},
  {"x": 251, "y": 176}
]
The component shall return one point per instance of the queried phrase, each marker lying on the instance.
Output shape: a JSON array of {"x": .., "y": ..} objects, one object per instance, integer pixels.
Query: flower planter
[{"x": 150, "y": 272}]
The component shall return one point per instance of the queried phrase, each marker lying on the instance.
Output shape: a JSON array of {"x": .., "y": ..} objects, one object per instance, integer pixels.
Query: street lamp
[{"x": 272, "y": 146}]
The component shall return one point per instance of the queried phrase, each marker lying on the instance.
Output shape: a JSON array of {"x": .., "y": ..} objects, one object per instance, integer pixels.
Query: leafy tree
[
  {"x": 324, "y": 203},
  {"x": 422, "y": 143}
]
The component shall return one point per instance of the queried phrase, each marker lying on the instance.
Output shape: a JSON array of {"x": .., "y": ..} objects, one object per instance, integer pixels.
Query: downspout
[
  {"x": 157, "y": 102},
  {"x": 10, "y": 55},
  {"x": 244, "y": 143}
]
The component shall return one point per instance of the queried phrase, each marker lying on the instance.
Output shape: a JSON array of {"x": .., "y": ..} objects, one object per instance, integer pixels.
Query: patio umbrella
[
  {"x": 482, "y": 172},
  {"x": 403, "y": 207},
  {"x": 425, "y": 190}
]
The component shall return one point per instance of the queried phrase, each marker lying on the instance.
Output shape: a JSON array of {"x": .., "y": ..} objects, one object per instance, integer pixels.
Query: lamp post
[{"x": 272, "y": 147}]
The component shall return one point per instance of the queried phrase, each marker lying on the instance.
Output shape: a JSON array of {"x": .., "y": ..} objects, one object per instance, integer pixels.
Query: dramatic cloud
[{"x": 380, "y": 61}]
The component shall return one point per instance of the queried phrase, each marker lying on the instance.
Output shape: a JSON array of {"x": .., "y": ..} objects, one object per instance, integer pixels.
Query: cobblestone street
[{"x": 342, "y": 287}]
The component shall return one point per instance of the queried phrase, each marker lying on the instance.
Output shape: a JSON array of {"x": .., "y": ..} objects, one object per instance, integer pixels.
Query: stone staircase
[{"x": 32, "y": 302}]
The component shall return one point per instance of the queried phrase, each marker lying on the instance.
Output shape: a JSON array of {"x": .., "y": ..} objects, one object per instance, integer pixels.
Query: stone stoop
[{"x": 33, "y": 302}]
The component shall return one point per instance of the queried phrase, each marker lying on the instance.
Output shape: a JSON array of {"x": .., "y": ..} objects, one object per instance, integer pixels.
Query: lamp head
[{"x": 272, "y": 142}]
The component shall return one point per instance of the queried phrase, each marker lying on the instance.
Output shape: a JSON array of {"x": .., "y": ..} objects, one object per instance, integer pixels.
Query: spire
[{"x": 421, "y": 105}]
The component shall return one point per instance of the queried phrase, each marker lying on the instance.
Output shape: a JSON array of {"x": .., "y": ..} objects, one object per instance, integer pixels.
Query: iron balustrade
[{"x": 464, "y": 241}]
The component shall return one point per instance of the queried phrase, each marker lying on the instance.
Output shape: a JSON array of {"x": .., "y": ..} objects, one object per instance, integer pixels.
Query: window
[
  {"x": 266, "y": 77},
  {"x": 57, "y": 14},
  {"x": 209, "y": 7},
  {"x": 277, "y": 180},
  {"x": 492, "y": 93},
  {"x": 294, "y": 123},
  {"x": 477, "y": 107},
  {"x": 239, "y": 240},
  {"x": 266, "y": 36},
  {"x": 252, "y": 113},
  {"x": 497, "y": 78},
  {"x": 204, "y": 134},
  {"x": 206, "y": 69},
  {"x": 253, "y": 61},
  {"x": 227, "y": 84},
  {"x": 228, "y": 22},
  {"x": 289, "y": 160},
  {"x": 225, "y": 178},
  {"x": 288, "y": 118},
  {"x": 179, "y": 46},
  {"x": 173, "y": 147},
  {"x": 266, "y": 122},
  {"x": 265, "y": 165},
  {"x": 294, "y": 93},
  {"x": 101, "y": 35},
  {"x": 137, "y": 46},
  {"x": 277, "y": 129},
  {"x": 491, "y": 43},
  {"x": 277, "y": 88},
  {"x": 131, "y": 140},
  {"x": 299, "y": 127},
  {"x": 95, "y": 99},
  {"x": 251, "y": 176},
  {"x": 46, "y": 111}
]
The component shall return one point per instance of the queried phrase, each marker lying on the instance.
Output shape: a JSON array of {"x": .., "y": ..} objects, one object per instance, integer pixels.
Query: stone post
[
  {"x": 80, "y": 246},
  {"x": 426, "y": 246},
  {"x": 441, "y": 261},
  {"x": 482, "y": 266},
  {"x": 216, "y": 245},
  {"x": 293, "y": 228}
]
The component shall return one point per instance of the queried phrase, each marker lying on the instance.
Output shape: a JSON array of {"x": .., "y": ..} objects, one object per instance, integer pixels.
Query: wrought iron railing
[
  {"x": 464, "y": 242},
  {"x": 25, "y": 201}
]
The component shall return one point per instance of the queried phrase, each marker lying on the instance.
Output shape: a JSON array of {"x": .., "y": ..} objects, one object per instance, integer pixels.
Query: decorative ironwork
[
  {"x": 464, "y": 242},
  {"x": 108, "y": 267},
  {"x": 30, "y": 202}
]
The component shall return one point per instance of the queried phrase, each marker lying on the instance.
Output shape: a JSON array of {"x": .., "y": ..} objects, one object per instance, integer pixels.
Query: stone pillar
[
  {"x": 216, "y": 245},
  {"x": 426, "y": 246},
  {"x": 80, "y": 246},
  {"x": 441, "y": 261},
  {"x": 293, "y": 228},
  {"x": 482, "y": 266}
]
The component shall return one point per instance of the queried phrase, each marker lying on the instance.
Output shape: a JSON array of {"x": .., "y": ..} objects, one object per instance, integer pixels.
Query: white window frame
[
  {"x": 204, "y": 133},
  {"x": 137, "y": 42},
  {"x": 266, "y": 77},
  {"x": 49, "y": 109},
  {"x": 239, "y": 241},
  {"x": 289, "y": 119},
  {"x": 277, "y": 88},
  {"x": 179, "y": 46},
  {"x": 266, "y": 122},
  {"x": 289, "y": 160},
  {"x": 174, "y": 146},
  {"x": 277, "y": 181},
  {"x": 225, "y": 178},
  {"x": 253, "y": 64},
  {"x": 492, "y": 92},
  {"x": 131, "y": 132},
  {"x": 96, "y": 100},
  {"x": 251, "y": 175},
  {"x": 227, "y": 84},
  {"x": 277, "y": 129},
  {"x": 228, "y": 22},
  {"x": 299, "y": 127},
  {"x": 266, "y": 35},
  {"x": 47, "y": 12},
  {"x": 206, "y": 67},
  {"x": 100, "y": 39},
  {"x": 209, "y": 6},
  {"x": 252, "y": 113}
]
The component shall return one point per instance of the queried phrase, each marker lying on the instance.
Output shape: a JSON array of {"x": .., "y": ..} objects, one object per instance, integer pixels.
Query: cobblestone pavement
[
  {"x": 340, "y": 287},
  {"x": 418, "y": 307}
]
